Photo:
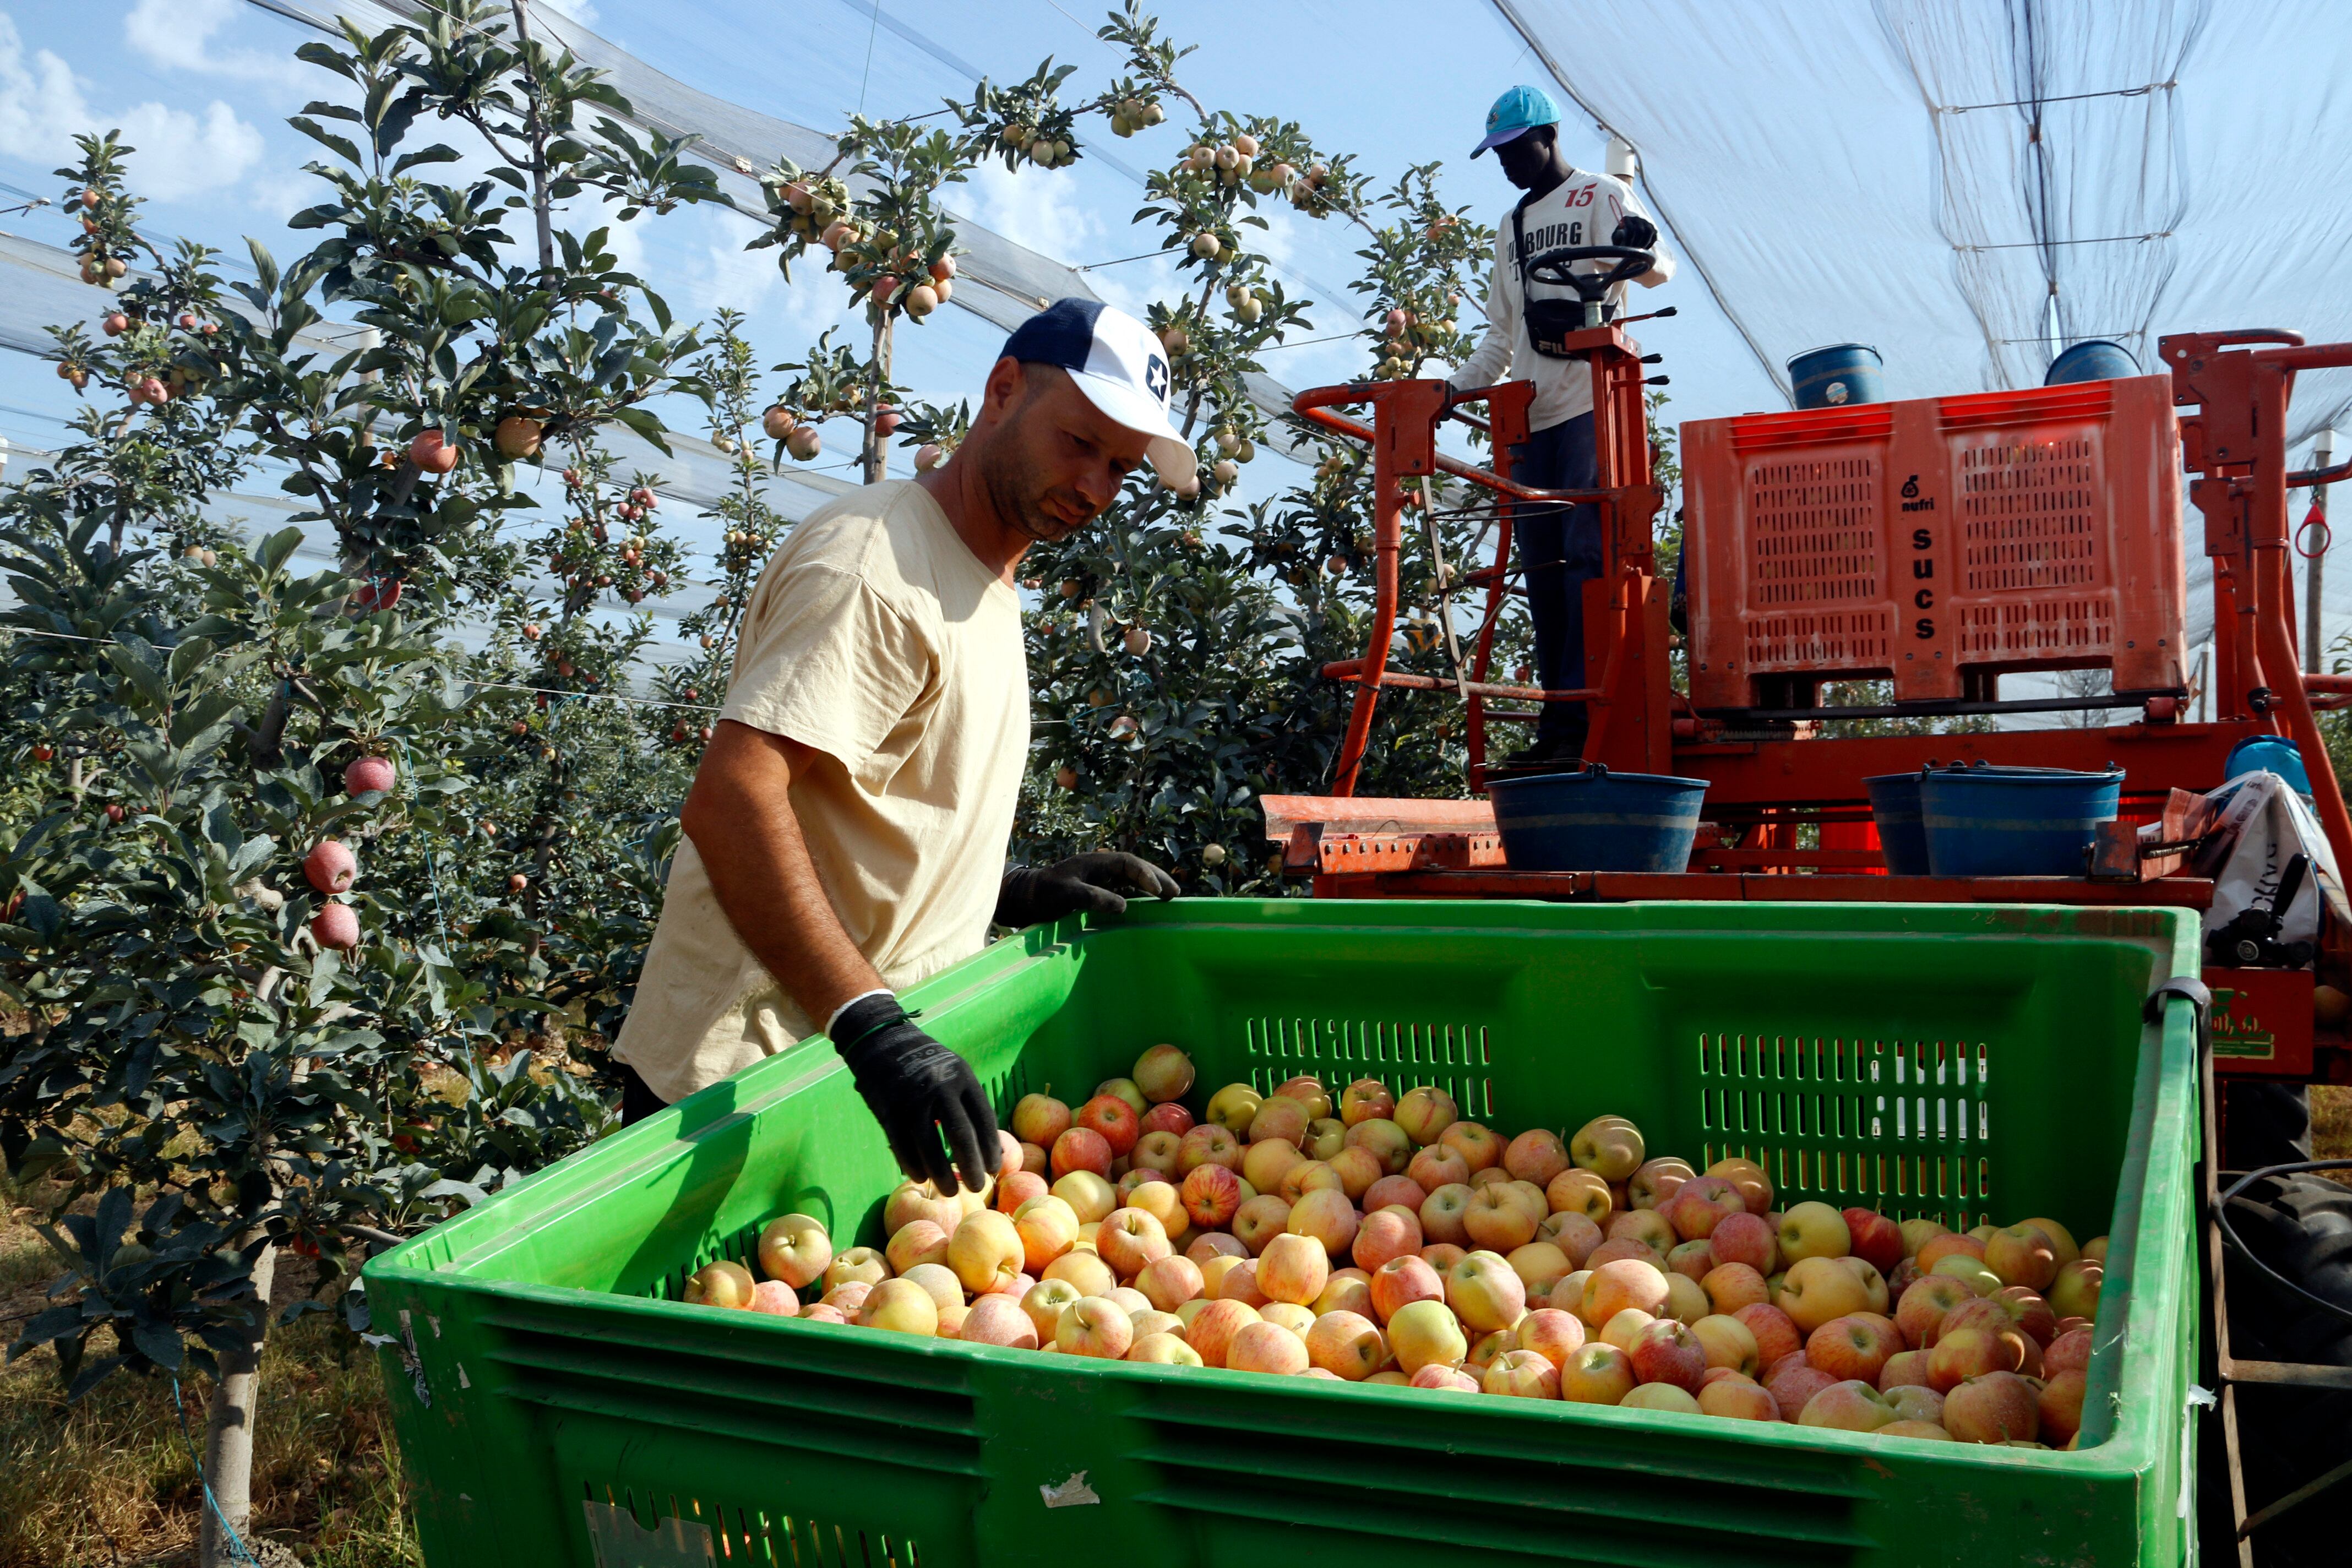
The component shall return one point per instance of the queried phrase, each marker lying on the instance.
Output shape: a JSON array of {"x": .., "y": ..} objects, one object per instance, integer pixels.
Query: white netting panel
[
  {"x": 1919, "y": 175},
  {"x": 2057, "y": 172}
]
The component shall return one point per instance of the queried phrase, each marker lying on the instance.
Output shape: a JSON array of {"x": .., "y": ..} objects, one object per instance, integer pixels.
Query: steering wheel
[{"x": 1553, "y": 268}]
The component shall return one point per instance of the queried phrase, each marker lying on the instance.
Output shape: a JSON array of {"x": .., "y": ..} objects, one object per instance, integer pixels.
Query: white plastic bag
[{"x": 2258, "y": 824}]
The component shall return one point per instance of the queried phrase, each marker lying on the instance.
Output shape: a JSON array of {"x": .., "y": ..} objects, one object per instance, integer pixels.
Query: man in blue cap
[
  {"x": 1561, "y": 547},
  {"x": 845, "y": 834}
]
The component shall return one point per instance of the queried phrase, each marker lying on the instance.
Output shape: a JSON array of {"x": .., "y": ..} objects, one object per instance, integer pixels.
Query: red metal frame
[
  {"x": 1762, "y": 791},
  {"x": 1620, "y": 639}
]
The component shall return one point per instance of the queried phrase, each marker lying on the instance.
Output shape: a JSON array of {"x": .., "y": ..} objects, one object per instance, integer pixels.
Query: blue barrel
[
  {"x": 2269, "y": 754},
  {"x": 1986, "y": 821},
  {"x": 2093, "y": 359},
  {"x": 1839, "y": 374},
  {"x": 1594, "y": 820},
  {"x": 1902, "y": 836}
]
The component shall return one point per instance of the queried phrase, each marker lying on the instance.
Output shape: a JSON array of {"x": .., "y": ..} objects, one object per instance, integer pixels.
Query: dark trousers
[
  {"x": 638, "y": 1100},
  {"x": 1560, "y": 550}
]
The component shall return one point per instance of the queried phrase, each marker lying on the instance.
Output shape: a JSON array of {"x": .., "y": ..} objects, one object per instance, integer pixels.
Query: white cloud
[
  {"x": 1038, "y": 208},
  {"x": 1041, "y": 209},
  {"x": 580, "y": 11},
  {"x": 40, "y": 102},
  {"x": 182, "y": 154},
  {"x": 176, "y": 35},
  {"x": 43, "y": 104}
]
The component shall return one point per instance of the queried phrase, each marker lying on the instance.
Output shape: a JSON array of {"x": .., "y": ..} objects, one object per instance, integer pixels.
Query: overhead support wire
[
  {"x": 1773, "y": 371},
  {"x": 2055, "y": 97},
  {"x": 2046, "y": 244}
]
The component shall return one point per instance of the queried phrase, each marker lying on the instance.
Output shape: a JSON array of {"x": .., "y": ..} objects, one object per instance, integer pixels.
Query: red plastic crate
[{"x": 1923, "y": 539}]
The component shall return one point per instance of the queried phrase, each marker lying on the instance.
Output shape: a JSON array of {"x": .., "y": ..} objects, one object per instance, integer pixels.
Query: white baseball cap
[{"x": 1121, "y": 367}]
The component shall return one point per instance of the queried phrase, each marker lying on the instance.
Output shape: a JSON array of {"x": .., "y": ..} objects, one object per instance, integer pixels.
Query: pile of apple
[{"x": 1397, "y": 1243}]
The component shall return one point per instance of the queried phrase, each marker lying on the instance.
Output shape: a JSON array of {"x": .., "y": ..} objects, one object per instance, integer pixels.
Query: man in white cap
[
  {"x": 1561, "y": 547},
  {"x": 845, "y": 834}
]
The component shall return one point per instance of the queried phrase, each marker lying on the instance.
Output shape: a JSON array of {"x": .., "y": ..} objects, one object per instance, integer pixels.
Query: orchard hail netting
[
  {"x": 1013, "y": 281},
  {"x": 1970, "y": 188}
]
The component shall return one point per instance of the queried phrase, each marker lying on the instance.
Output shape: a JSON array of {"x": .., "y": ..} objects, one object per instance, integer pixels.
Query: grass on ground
[{"x": 108, "y": 1483}]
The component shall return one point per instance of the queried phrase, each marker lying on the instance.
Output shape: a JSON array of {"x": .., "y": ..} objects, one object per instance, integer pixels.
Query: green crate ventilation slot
[
  {"x": 693, "y": 1534},
  {"x": 1451, "y": 1057},
  {"x": 739, "y": 1245},
  {"x": 1902, "y": 1126}
]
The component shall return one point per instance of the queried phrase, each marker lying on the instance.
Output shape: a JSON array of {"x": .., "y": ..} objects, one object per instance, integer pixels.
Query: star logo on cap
[{"x": 1155, "y": 377}]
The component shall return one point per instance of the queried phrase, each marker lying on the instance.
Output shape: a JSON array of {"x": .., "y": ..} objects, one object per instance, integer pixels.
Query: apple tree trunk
[
  {"x": 876, "y": 453},
  {"x": 228, "y": 1429}
]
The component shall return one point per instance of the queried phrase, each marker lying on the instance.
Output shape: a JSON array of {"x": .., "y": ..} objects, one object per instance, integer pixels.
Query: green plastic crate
[{"x": 556, "y": 1407}]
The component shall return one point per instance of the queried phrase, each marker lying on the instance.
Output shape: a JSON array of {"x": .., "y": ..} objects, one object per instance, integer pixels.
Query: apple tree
[{"x": 277, "y": 901}]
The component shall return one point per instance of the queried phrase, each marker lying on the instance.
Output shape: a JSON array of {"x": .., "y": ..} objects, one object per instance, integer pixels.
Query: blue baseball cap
[
  {"x": 1515, "y": 113},
  {"x": 1119, "y": 365}
]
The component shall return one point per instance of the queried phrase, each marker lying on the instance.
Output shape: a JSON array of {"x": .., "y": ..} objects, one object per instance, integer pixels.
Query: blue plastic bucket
[
  {"x": 1839, "y": 374},
  {"x": 2269, "y": 754},
  {"x": 2093, "y": 359},
  {"x": 2015, "y": 822},
  {"x": 1594, "y": 820},
  {"x": 1902, "y": 836}
]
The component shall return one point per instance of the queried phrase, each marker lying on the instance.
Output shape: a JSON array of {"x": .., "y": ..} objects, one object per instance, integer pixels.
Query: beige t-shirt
[{"x": 878, "y": 638}]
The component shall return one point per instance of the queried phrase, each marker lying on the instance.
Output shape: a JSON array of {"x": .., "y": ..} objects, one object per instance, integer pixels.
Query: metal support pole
[{"x": 2314, "y": 564}]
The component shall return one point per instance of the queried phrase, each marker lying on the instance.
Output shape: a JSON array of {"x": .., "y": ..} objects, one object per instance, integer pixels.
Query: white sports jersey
[{"x": 1583, "y": 209}]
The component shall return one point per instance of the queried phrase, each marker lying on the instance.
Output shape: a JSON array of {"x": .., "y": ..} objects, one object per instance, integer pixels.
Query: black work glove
[
  {"x": 919, "y": 1089},
  {"x": 1090, "y": 882},
  {"x": 1635, "y": 232}
]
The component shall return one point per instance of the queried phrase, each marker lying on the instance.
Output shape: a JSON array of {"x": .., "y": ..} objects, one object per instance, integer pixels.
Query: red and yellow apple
[
  {"x": 1425, "y": 1113},
  {"x": 1329, "y": 1217},
  {"x": 1348, "y": 1345},
  {"x": 1819, "y": 1288},
  {"x": 1597, "y": 1374},
  {"x": 1480, "y": 1146},
  {"x": 1365, "y": 1099},
  {"x": 1485, "y": 1292},
  {"x": 1848, "y": 1405},
  {"x": 1260, "y": 1219},
  {"x": 901, "y": 1306},
  {"x": 1609, "y": 1146},
  {"x": 1522, "y": 1374},
  {"x": 795, "y": 1249},
  {"x": 1993, "y": 1407},
  {"x": 1164, "y": 1073},
  {"x": 720, "y": 1283},
  {"x": 987, "y": 1251},
  {"x": 1425, "y": 1333},
  {"x": 1874, "y": 1238}
]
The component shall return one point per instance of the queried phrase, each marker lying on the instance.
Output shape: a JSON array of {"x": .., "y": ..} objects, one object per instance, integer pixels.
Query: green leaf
[
  {"x": 204, "y": 724},
  {"x": 279, "y": 548},
  {"x": 643, "y": 422},
  {"x": 188, "y": 658},
  {"x": 437, "y": 153},
  {"x": 329, "y": 57},
  {"x": 343, "y": 145},
  {"x": 323, "y": 970},
  {"x": 159, "y": 1343}
]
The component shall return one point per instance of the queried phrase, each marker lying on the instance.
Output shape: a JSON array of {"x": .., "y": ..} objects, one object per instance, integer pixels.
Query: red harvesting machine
[{"x": 1934, "y": 543}]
